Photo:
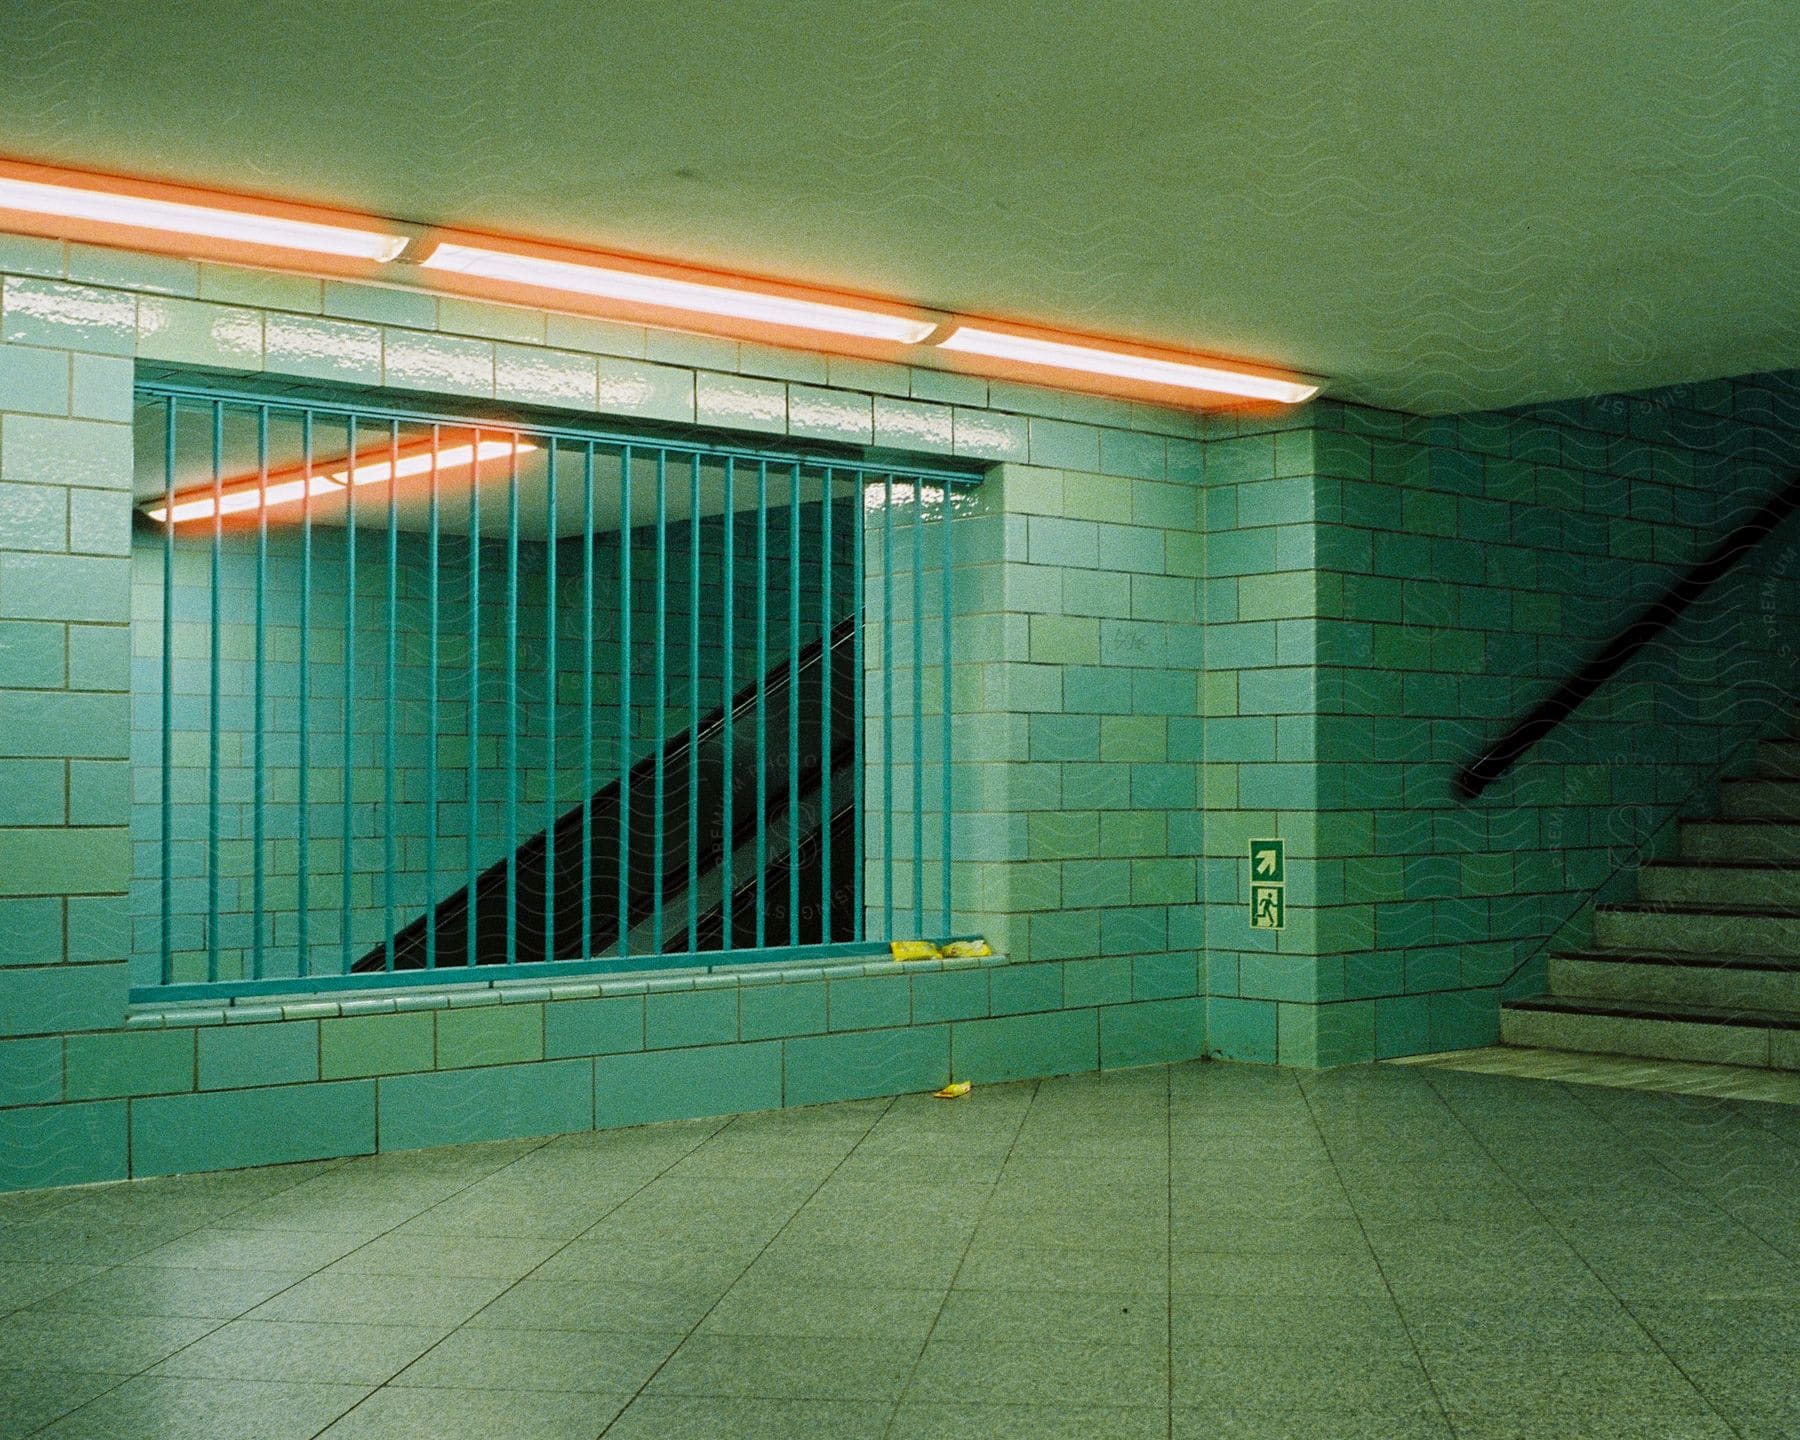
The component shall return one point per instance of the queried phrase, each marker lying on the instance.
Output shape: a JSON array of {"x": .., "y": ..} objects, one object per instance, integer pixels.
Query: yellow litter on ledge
[
  {"x": 913, "y": 950},
  {"x": 966, "y": 945},
  {"x": 954, "y": 1091}
]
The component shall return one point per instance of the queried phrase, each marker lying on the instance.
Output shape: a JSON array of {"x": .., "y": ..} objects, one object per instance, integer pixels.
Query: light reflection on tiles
[{"x": 1728, "y": 1082}]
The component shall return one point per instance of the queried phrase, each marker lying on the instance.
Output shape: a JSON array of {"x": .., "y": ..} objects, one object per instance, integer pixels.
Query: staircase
[{"x": 1705, "y": 965}]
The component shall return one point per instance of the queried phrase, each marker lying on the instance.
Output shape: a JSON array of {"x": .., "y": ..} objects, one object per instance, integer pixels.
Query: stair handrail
[{"x": 1504, "y": 753}]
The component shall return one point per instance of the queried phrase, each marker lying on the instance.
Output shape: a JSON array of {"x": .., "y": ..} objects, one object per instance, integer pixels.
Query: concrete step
[
  {"x": 1778, "y": 759},
  {"x": 1717, "y": 885},
  {"x": 1760, "y": 799},
  {"x": 1736, "y": 982},
  {"x": 1682, "y": 929},
  {"x": 1763, "y": 840},
  {"x": 1766, "y": 1039}
]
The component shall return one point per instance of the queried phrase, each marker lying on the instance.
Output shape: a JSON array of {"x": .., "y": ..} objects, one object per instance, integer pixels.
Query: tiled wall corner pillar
[
  {"x": 65, "y": 526},
  {"x": 1266, "y": 603},
  {"x": 1078, "y": 640}
]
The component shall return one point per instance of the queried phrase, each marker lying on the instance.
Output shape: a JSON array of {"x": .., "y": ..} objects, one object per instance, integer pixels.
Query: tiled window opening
[{"x": 447, "y": 639}]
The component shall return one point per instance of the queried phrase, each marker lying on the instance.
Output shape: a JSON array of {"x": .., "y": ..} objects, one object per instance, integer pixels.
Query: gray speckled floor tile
[{"x": 1381, "y": 1251}]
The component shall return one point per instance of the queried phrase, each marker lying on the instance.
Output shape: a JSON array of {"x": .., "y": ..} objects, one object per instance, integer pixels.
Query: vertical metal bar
[
  {"x": 388, "y": 839},
  {"x": 762, "y": 697},
  {"x": 860, "y": 613},
  {"x": 433, "y": 523},
  {"x": 624, "y": 701},
  {"x": 944, "y": 513},
  {"x": 828, "y": 657},
  {"x": 471, "y": 871},
  {"x": 793, "y": 686},
  {"x": 887, "y": 707},
  {"x": 587, "y": 702},
  {"x": 662, "y": 696},
  {"x": 728, "y": 687},
  {"x": 512, "y": 702},
  {"x": 550, "y": 698},
  {"x": 212, "y": 737},
  {"x": 168, "y": 695},
  {"x": 303, "y": 926},
  {"x": 345, "y": 957},
  {"x": 258, "y": 883},
  {"x": 918, "y": 703},
  {"x": 693, "y": 763}
]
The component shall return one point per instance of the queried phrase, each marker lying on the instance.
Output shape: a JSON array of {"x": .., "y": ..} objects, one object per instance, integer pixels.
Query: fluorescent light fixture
[
  {"x": 109, "y": 207},
  {"x": 94, "y": 204},
  {"x": 419, "y": 463},
  {"x": 1123, "y": 365},
  {"x": 641, "y": 288},
  {"x": 241, "y": 495},
  {"x": 239, "y": 499}
]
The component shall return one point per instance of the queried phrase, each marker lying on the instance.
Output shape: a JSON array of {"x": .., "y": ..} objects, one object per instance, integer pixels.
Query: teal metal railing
[{"x": 423, "y": 698}]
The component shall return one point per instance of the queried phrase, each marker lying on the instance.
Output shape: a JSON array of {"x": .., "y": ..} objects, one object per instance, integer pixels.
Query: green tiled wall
[
  {"x": 1078, "y": 653},
  {"x": 199, "y": 1087},
  {"x": 65, "y": 477},
  {"x": 86, "y": 1099},
  {"x": 1385, "y": 594},
  {"x": 1172, "y": 634}
]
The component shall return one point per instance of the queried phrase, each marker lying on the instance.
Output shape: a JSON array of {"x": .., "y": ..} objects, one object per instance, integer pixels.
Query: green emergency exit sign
[{"x": 1268, "y": 885}]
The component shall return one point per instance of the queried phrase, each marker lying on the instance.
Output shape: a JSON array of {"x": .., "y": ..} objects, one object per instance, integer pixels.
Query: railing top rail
[
  {"x": 1504, "y": 753},
  {"x": 574, "y": 434}
]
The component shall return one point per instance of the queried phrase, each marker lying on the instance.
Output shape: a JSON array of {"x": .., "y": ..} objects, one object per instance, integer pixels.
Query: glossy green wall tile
[
  {"x": 456, "y": 1107},
  {"x": 866, "y": 1004},
  {"x": 239, "y": 1056},
  {"x": 690, "y": 1017},
  {"x": 31, "y": 1071},
  {"x": 57, "y": 999},
  {"x": 682, "y": 1084},
  {"x": 1016, "y": 1046},
  {"x": 62, "y": 1145},
  {"x": 360, "y": 1045},
  {"x": 593, "y": 1027},
  {"x": 766, "y": 1012},
  {"x": 949, "y": 995},
  {"x": 821, "y": 1068},
  {"x": 171, "y": 1134},
  {"x": 130, "y": 1062},
  {"x": 1152, "y": 1032},
  {"x": 489, "y": 1035},
  {"x": 1167, "y": 646}
]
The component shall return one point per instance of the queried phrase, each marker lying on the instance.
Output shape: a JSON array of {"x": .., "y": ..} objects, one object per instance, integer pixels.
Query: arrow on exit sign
[{"x": 1267, "y": 863}]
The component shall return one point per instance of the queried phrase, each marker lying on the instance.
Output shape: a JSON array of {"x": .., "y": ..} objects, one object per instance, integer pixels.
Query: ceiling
[{"x": 1441, "y": 206}]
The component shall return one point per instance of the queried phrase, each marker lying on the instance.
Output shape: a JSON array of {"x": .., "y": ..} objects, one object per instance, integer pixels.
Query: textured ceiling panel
[{"x": 1443, "y": 206}]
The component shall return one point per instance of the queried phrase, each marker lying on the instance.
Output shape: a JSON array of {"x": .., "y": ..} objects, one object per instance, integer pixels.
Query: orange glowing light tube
[
  {"x": 203, "y": 224},
  {"x": 640, "y": 283},
  {"x": 1131, "y": 364},
  {"x": 108, "y": 209},
  {"x": 239, "y": 496}
]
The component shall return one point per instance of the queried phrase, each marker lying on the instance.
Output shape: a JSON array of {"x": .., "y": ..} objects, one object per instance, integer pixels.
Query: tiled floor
[{"x": 1195, "y": 1251}]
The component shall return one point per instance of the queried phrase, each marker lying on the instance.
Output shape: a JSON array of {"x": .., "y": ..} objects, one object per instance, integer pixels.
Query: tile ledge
[{"x": 274, "y": 1008}]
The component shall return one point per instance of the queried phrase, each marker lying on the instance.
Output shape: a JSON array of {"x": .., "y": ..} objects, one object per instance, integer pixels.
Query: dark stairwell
[{"x": 529, "y": 906}]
